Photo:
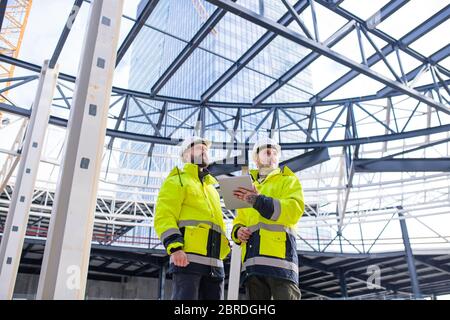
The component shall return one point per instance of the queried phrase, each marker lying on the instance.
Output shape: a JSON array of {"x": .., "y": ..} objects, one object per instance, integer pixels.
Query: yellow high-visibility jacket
[
  {"x": 188, "y": 215},
  {"x": 271, "y": 249}
]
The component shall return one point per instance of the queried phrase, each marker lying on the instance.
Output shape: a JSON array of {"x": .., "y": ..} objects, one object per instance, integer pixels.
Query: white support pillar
[
  {"x": 389, "y": 107},
  {"x": 17, "y": 219},
  {"x": 66, "y": 257},
  {"x": 235, "y": 262},
  {"x": 235, "y": 272}
]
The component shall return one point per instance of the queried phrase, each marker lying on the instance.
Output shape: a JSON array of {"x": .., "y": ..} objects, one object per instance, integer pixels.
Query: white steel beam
[
  {"x": 17, "y": 219},
  {"x": 66, "y": 257}
]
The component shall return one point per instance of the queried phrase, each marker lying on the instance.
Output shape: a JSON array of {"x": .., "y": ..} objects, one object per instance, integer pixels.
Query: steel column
[
  {"x": 19, "y": 208},
  {"x": 409, "y": 255},
  {"x": 66, "y": 257},
  {"x": 162, "y": 282}
]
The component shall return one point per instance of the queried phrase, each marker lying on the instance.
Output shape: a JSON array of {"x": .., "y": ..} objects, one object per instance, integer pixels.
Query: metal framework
[{"x": 332, "y": 154}]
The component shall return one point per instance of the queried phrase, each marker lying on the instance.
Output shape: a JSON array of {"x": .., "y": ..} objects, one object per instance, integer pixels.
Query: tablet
[{"x": 228, "y": 185}]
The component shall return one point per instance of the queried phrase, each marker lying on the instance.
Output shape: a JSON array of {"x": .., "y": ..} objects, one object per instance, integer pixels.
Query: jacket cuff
[
  {"x": 234, "y": 236},
  {"x": 265, "y": 206},
  {"x": 174, "y": 246},
  {"x": 174, "y": 237}
]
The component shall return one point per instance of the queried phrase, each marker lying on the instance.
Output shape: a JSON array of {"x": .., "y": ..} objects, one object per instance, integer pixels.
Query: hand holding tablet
[
  {"x": 248, "y": 195},
  {"x": 229, "y": 185}
]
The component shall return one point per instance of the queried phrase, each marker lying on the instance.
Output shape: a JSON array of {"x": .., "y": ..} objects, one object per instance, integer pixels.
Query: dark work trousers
[
  {"x": 265, "y": 288},
  {"x": 192, "y": 286}
]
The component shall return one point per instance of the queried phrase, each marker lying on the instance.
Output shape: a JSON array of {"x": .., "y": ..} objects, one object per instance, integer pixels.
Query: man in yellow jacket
[
  {"x": 267, "y": 232},
  {"x": 189, "y": 222}
]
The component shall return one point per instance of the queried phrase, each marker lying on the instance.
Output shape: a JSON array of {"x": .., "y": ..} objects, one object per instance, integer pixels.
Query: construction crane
[{"x": 13, "y": 20}]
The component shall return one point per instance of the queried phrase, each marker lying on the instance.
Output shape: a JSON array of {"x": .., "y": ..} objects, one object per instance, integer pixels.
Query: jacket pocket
[
  {"x": 196, "y": 240},
  {"x": 272, "y": 243}
]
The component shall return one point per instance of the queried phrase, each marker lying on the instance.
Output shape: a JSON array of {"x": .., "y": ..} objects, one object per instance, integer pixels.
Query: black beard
[{"x": 201, "y": 164}]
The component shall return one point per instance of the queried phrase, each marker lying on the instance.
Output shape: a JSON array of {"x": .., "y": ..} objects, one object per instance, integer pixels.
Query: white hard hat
[
  {"x": 191, "y": 141},
  {"x": 263, "y": 143}
]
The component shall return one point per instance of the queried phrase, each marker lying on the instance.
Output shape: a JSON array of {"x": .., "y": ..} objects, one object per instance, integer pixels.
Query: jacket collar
[
  {"x": 285, "y": 172},
  {"x": 192, "y": 170}
]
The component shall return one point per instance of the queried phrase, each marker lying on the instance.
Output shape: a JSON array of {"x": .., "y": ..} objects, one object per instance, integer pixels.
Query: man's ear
[{"x": 185, "y": 154}]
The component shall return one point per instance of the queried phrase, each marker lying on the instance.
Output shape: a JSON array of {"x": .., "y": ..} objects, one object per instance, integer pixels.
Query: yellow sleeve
[
  {"x": 167, "y": 213},
  {"x": 290, "y": 207},
  {"x": 239, "y": 221}
]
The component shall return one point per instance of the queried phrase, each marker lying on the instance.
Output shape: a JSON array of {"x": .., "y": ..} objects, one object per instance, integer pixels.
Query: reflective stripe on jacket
[
  {"x": 272, "y": 248},
  {"x": 188, "y": 215}
]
